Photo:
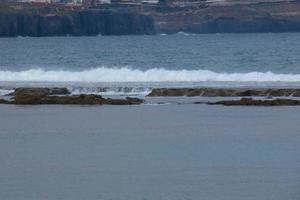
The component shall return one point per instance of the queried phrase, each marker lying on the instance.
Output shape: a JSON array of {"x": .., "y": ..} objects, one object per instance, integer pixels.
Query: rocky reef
[
  {"x": 75, "y": 23},
  {"x": 3, "y": 101},
  {"x": 225, "y": 92},
  {"x": 258, "y": 102},
  {"x": 34, "y": 96},
  {"x": 61, "y": 96},
  {"x": 41, "y": 91}
]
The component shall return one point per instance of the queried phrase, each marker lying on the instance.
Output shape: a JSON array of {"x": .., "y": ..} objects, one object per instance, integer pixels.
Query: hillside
[
  {"x": 231, "y": 17},
  {"x": 227, "y": 16},
  {"x": 60, "y": 20}
]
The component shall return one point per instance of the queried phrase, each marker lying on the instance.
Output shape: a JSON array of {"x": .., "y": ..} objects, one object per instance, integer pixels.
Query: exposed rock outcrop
[
  {"x": 34, "y": 96},
  {"x": 257, "y": 102},
  {"x": 75, "y": 99},
  {"x": 225, "y": 92},
  {"x": 42, "y": 91},
  {"x": 3, "y": 101}
]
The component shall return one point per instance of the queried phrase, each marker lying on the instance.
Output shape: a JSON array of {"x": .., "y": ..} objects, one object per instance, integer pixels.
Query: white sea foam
[
  {"x": 113, "y": 91},
  {"x": 4, "y": 92},
  {"x": 186, "y": 34},
  {"x": 124, "y": 74}
]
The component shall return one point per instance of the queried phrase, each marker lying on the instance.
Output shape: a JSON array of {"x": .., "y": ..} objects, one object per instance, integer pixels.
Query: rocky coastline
[
  {"x": 58, "y": 20},
  {"x": 257, "y": 102},
  {"x": 75, "y": 23},
  {"x": 251, "y": 17},
  {"x": 225, "y": 92},
  {"x": 233, "y": 97},
  {"x": 38, "y": 96}
]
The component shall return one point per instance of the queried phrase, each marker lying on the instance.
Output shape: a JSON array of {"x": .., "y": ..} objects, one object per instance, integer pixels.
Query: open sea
[
  {"x": 172, "y": 151},
  {"x": 135, "y": 64}
]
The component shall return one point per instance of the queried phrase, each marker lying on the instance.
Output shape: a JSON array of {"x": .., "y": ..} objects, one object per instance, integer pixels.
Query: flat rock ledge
[
  {"x": 257, "y": 102},
  {"x": 225, "y": 92},
  {"x": 41, "y": 91},
  {"x": 35, "y": 96}
]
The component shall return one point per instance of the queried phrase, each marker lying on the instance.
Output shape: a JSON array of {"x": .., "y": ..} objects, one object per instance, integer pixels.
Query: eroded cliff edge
[
  {"x": 60, "y": 20},
  {"x": 252, "y": 17},
  {"x": 76, "y": 23}
]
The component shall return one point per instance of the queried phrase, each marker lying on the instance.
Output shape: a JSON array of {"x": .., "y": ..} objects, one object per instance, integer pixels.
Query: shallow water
[{"x": 149, "y": 152}]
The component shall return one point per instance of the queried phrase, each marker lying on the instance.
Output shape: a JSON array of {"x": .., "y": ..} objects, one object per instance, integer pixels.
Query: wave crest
[{"x": 124, "y": 74}]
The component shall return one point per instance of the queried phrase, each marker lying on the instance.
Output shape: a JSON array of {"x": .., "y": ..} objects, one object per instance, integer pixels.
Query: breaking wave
[
  {"x": 4, "y": 92},
  {"x": 113, "y": 91},
  {"x": 124, "y": 74}
]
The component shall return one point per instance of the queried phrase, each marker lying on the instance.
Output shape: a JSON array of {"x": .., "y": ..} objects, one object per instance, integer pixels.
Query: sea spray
[{"x": 103, "y": 74}]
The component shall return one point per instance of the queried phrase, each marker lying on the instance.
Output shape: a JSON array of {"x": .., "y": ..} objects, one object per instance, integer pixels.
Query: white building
[
  {"x": 40, "y": 1},
  {"x": 150, "y": 1},
  {"x": 52, "y": 1}
]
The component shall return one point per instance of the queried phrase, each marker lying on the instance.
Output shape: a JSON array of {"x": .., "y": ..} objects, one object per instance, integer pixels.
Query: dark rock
[
  {"x": 209, "y": 92},
  {"x": 41, "y": 91},
  {"x": 2, "y": 101},
  {"x": 41, "y": 96},
  {"x": 296, "y": 93},
  {"x": 76, "y": 99},
  {"x": 127, "y": 101},
  {"x": 171, "y": 92},
  {"x": 224, "y": 92},
  {"x": 29, "y": 95},
  {"x": 58, "y": 91},
  {"x": 76, "y": 23},
  {"x": 281, "y": 92},
  {"x": 253, "y": 25},
  {"x": 213, "y": 92},
  {"x": 132, "y": 100},
  {"x": 254, "y": 102},
  {"x": 251, "y": 92},
  {"x": 235, "y": 18},
  {"x": 32, "y": 96}
]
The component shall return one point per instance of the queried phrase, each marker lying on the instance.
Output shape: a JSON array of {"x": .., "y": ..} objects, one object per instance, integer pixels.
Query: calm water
[{"x": 165, "y": 152}]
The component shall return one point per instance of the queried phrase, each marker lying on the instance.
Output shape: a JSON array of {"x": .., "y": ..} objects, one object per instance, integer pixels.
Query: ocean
[
  {"x": 135, "y": 64},
  {"x": 177, "y": 150}
]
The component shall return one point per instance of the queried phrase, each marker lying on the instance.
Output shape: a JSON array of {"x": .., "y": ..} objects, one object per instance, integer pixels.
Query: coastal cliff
[
  {"x": 237, "y": 25},
  {"x": 234, "y": 18},
  {"x": 77, "y": 23},
  {"x": 61, "y": 20}
]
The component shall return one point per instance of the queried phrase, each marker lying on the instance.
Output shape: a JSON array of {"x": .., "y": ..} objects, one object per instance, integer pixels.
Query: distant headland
[{"x": 136, "y": 17}]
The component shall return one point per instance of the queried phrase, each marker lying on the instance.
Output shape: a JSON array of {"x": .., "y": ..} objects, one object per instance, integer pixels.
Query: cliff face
[
  {"x": 255, "y": 25},
  {"x": 234, "y": 18},
  {"x": 250, "y": 18},
  {"x": 88, "y": 22},
  {"x": 234, "y": 25}
]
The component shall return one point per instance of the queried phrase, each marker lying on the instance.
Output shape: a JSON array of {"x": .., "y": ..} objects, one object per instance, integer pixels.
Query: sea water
[
  {"x": 173, "y": 151},
  {"x": 135, "y": 64}
]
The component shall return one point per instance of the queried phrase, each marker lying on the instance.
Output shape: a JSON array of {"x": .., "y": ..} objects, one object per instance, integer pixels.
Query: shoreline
[{"x": 214, "y": 96}]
